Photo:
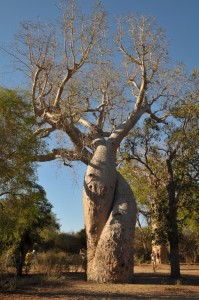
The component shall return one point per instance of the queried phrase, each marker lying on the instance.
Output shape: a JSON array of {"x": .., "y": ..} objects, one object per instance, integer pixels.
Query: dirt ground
[{"x": 73, "y": 285}]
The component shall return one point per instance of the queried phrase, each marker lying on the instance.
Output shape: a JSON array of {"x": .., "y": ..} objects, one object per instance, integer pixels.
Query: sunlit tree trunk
[{"x": 110, "y": 214}]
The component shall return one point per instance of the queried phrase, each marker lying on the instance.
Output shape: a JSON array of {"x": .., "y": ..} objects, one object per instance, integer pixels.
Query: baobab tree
[{"x": 77, "y": 91}]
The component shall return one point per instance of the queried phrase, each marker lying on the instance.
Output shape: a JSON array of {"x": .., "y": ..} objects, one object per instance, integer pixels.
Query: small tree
[
  {"x": 189, "y": 246},
  {"x": 24, "y": 209},
  {"x": 77, "y": 92},
  {"x": 167, "y": 158},
  {"x": 22, "y": 217},
  {"x": 18, "y": 144},
  {"x": 142, "y": 244}
]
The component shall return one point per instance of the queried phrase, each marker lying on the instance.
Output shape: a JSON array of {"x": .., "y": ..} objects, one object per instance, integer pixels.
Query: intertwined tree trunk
[{"x": 110, "y": 214}]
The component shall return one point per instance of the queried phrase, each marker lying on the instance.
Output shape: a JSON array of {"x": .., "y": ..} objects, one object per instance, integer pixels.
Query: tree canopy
[
  {"x": 85, "y": 87},
  {"x": 24, "y": 208},
  {"x": 18, "y": 145},
  {"x": 165, "y": 158}
]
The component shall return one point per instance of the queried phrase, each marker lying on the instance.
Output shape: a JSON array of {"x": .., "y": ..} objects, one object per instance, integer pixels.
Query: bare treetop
[{"x": 77, "y": 89}]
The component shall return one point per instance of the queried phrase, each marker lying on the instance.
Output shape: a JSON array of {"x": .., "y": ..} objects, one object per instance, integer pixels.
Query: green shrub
[{"x": 56, "y": 263}]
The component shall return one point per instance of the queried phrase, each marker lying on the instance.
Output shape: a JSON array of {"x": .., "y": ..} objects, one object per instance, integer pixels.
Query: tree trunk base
[{"x": 112, "y": 259}]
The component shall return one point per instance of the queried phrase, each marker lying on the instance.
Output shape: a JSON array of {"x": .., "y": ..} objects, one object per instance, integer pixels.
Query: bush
[
  {"x": 8, "y": 278},
  {"x": 56, "y": 263}
]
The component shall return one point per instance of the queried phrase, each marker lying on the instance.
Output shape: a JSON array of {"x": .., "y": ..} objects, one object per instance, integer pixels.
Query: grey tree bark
[{"x": 110, "y": 215}]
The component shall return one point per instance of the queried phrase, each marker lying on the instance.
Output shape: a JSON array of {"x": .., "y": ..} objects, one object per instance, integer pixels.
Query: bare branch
[
  {"x": 45, "y": 131},
  {"x": 61, "y": 87},
  {"x": 63, "y": 154},
  {"x": 16, "y": 57},
  {"x": 133, "y": 59},
  {"x": 86, "y": 123},
  {"x": 156, "y": 118},
  {"x": 34, "y": 86}
]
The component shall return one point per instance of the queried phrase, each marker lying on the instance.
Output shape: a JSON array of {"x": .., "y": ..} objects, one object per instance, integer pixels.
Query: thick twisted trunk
[{"x": 110, "y": 213}]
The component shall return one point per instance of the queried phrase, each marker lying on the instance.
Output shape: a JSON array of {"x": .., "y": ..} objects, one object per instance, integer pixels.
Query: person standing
[
  {"x": 28, "y": 260},
  {"x": 153, "y": 260}
]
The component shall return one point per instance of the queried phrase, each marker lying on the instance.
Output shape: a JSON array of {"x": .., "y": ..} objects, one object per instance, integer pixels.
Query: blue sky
[{"x": 179, "y": 18}]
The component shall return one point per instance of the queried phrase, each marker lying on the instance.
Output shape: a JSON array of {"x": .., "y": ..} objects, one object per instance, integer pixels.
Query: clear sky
[{"x": 180, "y": 20}]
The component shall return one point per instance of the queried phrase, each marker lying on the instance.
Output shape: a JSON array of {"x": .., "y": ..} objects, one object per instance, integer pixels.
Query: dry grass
[{"x": 73, "y": 285}]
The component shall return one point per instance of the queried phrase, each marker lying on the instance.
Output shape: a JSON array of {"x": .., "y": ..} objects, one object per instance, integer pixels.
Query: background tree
[
  {"x": 142, "y": 189},
  {"x": 62, "y": 241},
  {"x": 23, "y": 216},
  {"x": 77, "y": 92},
  {"x": 142, "y": 244},
  {"x": 24, "y": 209},
  {"x": 168, "y": 158},
  {"x": 18, "y": 144},
  {"x": 189, "y": 246}
]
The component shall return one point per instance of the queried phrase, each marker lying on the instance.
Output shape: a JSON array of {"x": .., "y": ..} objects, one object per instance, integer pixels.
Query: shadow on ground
[{"x": 73, "y": 286}]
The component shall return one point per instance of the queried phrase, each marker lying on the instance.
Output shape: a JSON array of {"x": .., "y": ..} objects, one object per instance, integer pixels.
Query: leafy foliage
[
  {"x": 164, "y": 160},
  {"x": 24, "y": 208},
  {"x": 18, "y": 144},
  {"x": 23, "y": 216},
  {"x": 66, "y": 242}
]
